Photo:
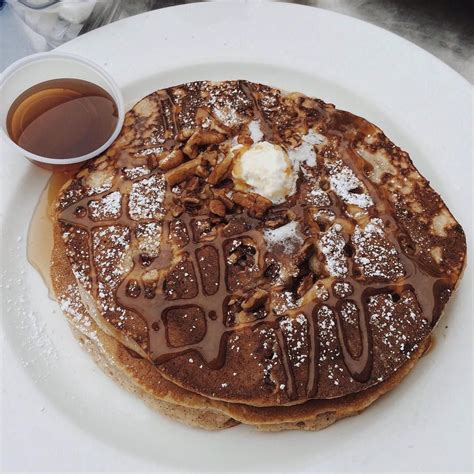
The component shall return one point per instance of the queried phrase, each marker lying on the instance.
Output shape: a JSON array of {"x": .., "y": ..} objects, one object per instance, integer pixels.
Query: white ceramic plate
[{"x": 61, "y": 413}]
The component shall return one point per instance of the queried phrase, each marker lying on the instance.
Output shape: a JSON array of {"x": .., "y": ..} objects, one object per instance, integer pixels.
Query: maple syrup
[
  {"x": 40, "y": 233},
  {"x": 62, "y": 118}
]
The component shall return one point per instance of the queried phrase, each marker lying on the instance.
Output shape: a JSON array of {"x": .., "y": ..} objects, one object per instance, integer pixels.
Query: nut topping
[
  {"x": 182, "y": 172},
  {"x": 305, "y": 284},
  {"x": 220, "y": 194},
  {"x": 255, "y": 300},
  {"x": 201, "y": 137},
  {"x": 172, "y": 160},
  {"x": 257, "y": 205},
  {"x": 217, "y": 207},
  {"x": 221, "y": 170}
]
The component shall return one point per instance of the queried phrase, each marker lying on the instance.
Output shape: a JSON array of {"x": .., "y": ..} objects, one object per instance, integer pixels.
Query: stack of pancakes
[{"x": 217, "y": 306}]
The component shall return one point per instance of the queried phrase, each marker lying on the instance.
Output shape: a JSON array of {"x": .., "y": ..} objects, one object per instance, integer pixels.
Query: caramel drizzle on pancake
[{"x": 425, "y": 283}]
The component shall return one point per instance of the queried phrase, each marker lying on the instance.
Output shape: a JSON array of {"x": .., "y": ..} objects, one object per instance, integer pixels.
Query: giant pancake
[{"x": 221, "y": 303}]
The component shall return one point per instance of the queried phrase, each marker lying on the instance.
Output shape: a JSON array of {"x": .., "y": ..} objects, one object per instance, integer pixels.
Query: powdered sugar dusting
[
  {"x": 317, "y": 197},
  {"x": 392, "y": 322},
  {"x": 99, "y": 181},
  {"x": 327, "y": 334},
  {"x": 347, "y": 186},
  {"x": 375, "y": 255},
  {"x": 107, "y": 207},
  {"x": 149, "y": 238},
  {"x": 284, "y": 301},
  {"x": 296, "y": 334},
  {"x": 305, "y": 152},
  {"x": 287, "y": 236},
  {"x": 332, "y": 245},
  {"x": 314, "y": 138},
  {"x": 268, "y": 343},
  {"x": 255, "y": 131},
  {"x": 137, "y": 172},
  {"x": 226, "y": 115},
  {"x": 146, "y": 198},
  {"x": 110, "y": 245}
]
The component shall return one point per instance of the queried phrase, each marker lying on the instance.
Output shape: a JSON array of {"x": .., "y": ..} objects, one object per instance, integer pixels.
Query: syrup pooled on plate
[
  {"x": 62, "y": 118},
  {"x": 41, "y": 232}
]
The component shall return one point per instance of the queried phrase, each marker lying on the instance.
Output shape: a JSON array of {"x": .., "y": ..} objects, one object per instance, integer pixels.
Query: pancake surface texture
[{"x": 241, "y": 254}]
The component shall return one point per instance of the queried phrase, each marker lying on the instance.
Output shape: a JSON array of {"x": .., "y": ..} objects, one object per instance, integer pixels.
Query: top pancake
[{"x": 233, "y": 298}]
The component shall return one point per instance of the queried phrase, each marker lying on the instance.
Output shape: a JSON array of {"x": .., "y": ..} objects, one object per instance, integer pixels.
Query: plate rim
[{"x": 291, "y": 5}]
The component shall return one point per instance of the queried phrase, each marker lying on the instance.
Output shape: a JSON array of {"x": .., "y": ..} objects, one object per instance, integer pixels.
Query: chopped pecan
[
  {"x": 217, "y": 207},
  {"x": 324, "y": 219},
  {"x": 210, "y": 156},
  {"x": 235, "y": 256},
  {"x": 315, "y": 265},
  {"x": 215, "y": 220},
  {"x": 205, "y": 193},
  {"x": 244, "y": 140},
  {"x": 243, "y": 199},
  {"x": 257, "y": 205},
  {"x": 262, "y": 204},
  {"x": 272, "y": 271},
  {"x": 133, "y": 288},
  {"x": 191, "y": 201},
  {"x": 286, "y": 276},
  {"x": 176, "y": 210},
  {"x": 192, "y": 184},
  {"x": 171, "y": 160},
  {"x": 182, "y": 172},
  {"x": 275, "y": 222},
  {"x": 184, "y": 134},
  {"x": 221, "y": 170},
  {"x": 202, "y": 171},
  {"x": 219, "y": 127},
  {"x": 201, "y": 137},
  {"x": 255, "y": 300},
  {"x": 304, "y": 252},
  {"x": 305, "y": 284},
  {"x": 220, "y": 194},
  {"x": 202, "y": 116}
]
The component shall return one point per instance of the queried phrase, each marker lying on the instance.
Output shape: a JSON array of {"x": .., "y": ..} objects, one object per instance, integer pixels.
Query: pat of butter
[{"x": 266, "y": 170}]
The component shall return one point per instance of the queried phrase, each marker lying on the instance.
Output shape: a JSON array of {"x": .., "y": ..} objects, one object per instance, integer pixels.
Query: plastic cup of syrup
[{"x": 59, "y": 109}]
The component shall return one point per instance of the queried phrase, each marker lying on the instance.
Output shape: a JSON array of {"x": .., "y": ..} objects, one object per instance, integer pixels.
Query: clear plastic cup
[{"x": 41, "y": 67}]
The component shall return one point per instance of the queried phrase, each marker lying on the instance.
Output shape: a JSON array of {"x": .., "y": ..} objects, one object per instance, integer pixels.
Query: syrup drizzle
[
  {"x": 426, "y": 284},
  {"x": 40, "y": 232}
]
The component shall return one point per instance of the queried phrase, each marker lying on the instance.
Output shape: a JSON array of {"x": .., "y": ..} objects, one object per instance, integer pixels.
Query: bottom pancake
[{"x": 140, "y": 376}]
